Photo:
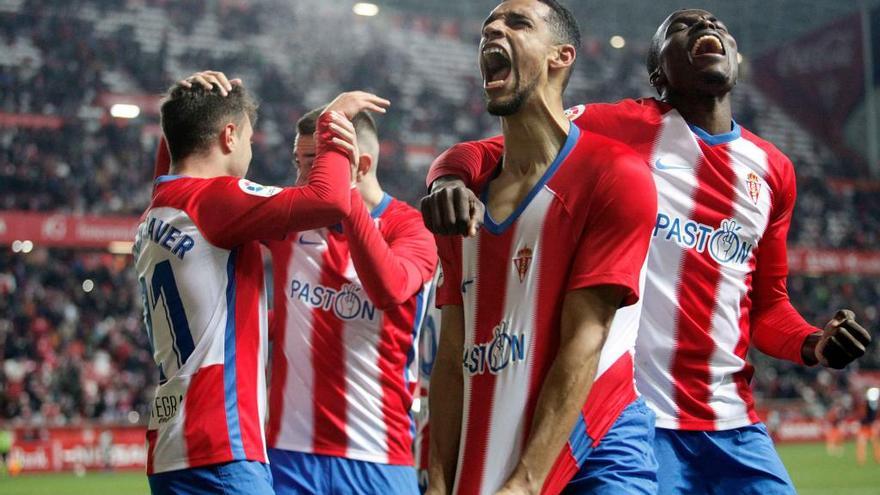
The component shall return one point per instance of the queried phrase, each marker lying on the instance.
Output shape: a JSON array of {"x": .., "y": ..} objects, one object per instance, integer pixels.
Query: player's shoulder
[
  {"x": 640, "y": 108},
  {"x": 397, "y": 212},
  {"x": 608, "y": 154},
  {"x": 779, "y": 164},
  {"x": 597, "y": 162},
  {"x": 773, "y": 153}
]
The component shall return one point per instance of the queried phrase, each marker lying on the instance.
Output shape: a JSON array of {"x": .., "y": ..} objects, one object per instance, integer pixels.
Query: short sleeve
[
  {"x": 614, "y": 242},
  {"x": 449, "y": 280}
]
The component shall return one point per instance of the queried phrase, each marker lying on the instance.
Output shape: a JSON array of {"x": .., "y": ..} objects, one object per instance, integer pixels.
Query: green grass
[
  {"x": 814, "y": 473},
  {"x": 127, "y": 483}
]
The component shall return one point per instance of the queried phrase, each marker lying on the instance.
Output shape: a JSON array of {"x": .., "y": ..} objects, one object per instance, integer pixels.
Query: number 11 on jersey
[{"x": 171, "y": 315}]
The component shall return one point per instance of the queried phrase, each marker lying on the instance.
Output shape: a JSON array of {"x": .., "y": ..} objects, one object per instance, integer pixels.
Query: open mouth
[
  {"x": 496, "y": 67},
  {"x": 707, "y": 44}
]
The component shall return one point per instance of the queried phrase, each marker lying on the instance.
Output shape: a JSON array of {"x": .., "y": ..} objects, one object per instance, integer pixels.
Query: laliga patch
[
  {"x": 574, "y": 112},
  {"x": 255, "y": 189}
]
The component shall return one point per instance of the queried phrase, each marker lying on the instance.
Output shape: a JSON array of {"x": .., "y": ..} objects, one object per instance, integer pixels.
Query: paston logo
[
  {"x": 496, "y": 355},
  {"x": 522, "y": 261},
  {"x": 346, "y": 303},
  {"x": 724, "y": 244},
  {"x": 754, "y": 184}
]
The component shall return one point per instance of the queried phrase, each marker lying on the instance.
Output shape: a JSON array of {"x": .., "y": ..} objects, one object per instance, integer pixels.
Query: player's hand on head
[
  {"x": 210, "y": 78},
  {"x": 353, "y": 102},
  {"x": 843, "y": 341},
  {"x": 452, "y": 209}
]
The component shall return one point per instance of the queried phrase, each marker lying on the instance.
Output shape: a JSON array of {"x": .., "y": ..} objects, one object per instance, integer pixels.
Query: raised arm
[{"x": 391, "y": 269}]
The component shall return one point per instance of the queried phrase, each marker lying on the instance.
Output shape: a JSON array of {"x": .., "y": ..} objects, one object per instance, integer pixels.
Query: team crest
[
  {"x": 574, "y": 112},
  {"x": 522, "y": 262},
  {"x": 754, "y": 183}
]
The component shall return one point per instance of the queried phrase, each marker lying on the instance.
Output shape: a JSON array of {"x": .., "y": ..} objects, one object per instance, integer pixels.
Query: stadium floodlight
[
  {"x": 16, "y": 246},
  {"x": 617, "y": 41},
  {"x": 125, "y": 111},
  {"x": 27, "y": 246},
  {"x": 365, "y": 9}
]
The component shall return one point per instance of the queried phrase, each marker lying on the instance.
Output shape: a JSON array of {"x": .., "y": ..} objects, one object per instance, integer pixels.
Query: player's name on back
[{"x": 166, "y": 236}]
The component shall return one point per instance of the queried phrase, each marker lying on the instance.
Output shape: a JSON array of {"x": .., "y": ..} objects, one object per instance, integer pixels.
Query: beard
[{"x": 512, "y": 105}]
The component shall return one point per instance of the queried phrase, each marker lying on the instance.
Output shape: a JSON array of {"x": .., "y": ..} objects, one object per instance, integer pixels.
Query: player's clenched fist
[
  {"x": 842, "y": 342},
  {"x": 352, "y": 102},
  {"x": 452, "y": 209}
]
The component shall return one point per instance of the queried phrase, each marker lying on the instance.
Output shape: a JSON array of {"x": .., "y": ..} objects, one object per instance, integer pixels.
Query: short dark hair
[
  {"x": 565, "y": 26},
  {"x": 363, "y": 122},
  {"x": 563, "y": 23},
  {"x": 192, "y": 117}
]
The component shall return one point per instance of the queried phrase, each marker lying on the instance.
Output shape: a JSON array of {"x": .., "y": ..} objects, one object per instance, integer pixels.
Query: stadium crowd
[{"x": 70, "y": 354}]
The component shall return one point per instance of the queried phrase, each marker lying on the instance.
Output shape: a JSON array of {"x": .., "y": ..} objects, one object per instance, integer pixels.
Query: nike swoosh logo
[
  {"x": 306, "y": 242},
  {"x": 659, "y": 165}
]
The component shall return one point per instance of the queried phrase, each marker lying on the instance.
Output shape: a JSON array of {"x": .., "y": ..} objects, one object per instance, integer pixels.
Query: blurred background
[{"x": 80, "y": 83}]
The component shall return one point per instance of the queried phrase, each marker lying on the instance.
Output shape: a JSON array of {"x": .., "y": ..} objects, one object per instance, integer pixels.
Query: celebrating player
[
  {"x": 348, "y": 304},
  {"x": 200, "y": 272},
  {"x": 717, "y": 266},
  {"x": 532, "y": 379}
]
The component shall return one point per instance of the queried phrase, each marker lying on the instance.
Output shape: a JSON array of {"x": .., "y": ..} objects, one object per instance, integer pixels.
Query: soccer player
[
  {"x": 200, "y": 271},
  {"x": 717, "y": 265},
  {"x": 349, "y": 300},
  {"x": 534, "y": 374},
  {"x": 869, "y": 428}
]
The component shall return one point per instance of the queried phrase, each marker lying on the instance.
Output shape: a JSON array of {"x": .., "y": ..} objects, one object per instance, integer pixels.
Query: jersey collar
[
  {"x": 498, "y": 228},
  {"x": 714, "y": 139}
]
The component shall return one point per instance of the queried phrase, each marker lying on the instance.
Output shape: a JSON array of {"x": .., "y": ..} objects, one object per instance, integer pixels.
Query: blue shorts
[
  {"x": 231, "y": 478},
  {"x": 312, "y": 474},
  {"x": 741, "y": 461},
  {"x": 623, "y": 462}
]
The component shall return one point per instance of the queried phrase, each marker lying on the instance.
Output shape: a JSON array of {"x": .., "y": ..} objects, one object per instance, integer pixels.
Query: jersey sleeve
[
  {"x": 392, "y": 268},
  {"x": 778, "y": 330},
  {"x": 468, "y": 161},
  {"x": 234, "y": 211},
  {"x": 614, "y": 242},
  {"x": 449, "y": 282},
  {"x": 772, "y": 258}
]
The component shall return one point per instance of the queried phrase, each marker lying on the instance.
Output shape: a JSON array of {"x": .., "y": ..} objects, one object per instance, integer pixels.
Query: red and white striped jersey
[
  {"x": 724, "y": 207},
  {"x": 200, "y": 272},
  {"x": 586, "y": 223},
  {"x": 348, "y": 303}
]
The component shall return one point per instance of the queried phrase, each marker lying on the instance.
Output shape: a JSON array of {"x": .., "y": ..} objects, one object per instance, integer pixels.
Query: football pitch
[{"x": 814, "y": 473}]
